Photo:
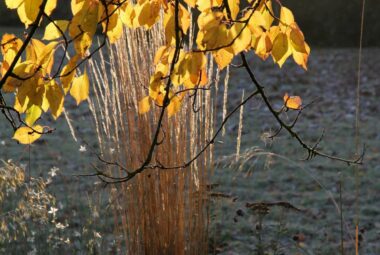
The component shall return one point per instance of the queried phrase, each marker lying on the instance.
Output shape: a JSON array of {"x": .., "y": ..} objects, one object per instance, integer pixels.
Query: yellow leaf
[
  {"x": 148, "y": 13},
  {"x": 204, "y": 78},
  {"x": 55, "y": 98},
  {"x": 178, "y": 75},
  {"x": 33, "y": 49},
  {"x": 76, "y": 6},
  {"x": 28, "y": 94},
  {"x": 26, "y": 135},
  {"x": 13, "y": 4},
  {"x": 243, "y": 37},
  {"x": 205, "y": 5},
  {"x": 302, "y": 58},
  {"x": 162, "y": 68},
  {"x": 10, "y": 41},
  {"x": 85, "y": 19},
  {"x": 52, "y": 32},
  {"x": 267, "y": 12},
  {"x": 82, "y": 43},
  {"x": 174, "y": 106},
  {"x": 184, "y": 18},
  {"x": 8, "y": 58},
  {"x": 160, "y": 54},
  {"x": 223, "y": 57},
  {"x": 127, "y": 14},
  {"x": 196, "y": 61},
  {"x": 28, "y": 11},
  {"x": 200, "y": 79},
  {"x": 45, "y": 103},
  {"x": 20, "y": 104},
  {"x": 208, "y": 20},
  {"x": 155, "y": 84},
  {"x": 263, "y": 46},
  {"x": 42, "y": 55},
  {"x": 144, "y": 105},
  {"x": 157, "y": 89},
  {"x": 281, "y": 50},
  {"x": 257, "y": 21},
  {"x": 115, "y": 27},
  {"x": 297, "y": 39},
  {"x": 50, "y": 6},
  {"x": 32, "y": 114},
  {"x": 214, "y": 38},
  {"x": 273, "y": 32},
  {"x": 34, "y": 90},
  {"x": 169, "y": 24},
  {"x": 292, "y": 102},
  {"x": 23, "y": 70},
  {"x": 213, "y": 33},
  {"x": 116, "y": 32},
  {"x": 286, "y": 16},
  {"x": 83, "y": 25},
  {"x": 234, "y": 8},
  {"x": 67, "y": 74},
  {"x": 80, "y": 88}
]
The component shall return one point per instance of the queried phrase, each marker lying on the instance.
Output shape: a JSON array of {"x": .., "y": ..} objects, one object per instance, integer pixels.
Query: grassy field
[
  {"x": 268, "y": 170},
  {"x": 272, "y": 170}
]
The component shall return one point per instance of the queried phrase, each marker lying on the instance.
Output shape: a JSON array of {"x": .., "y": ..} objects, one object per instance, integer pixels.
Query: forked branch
[{"x": 311, "y": 150}]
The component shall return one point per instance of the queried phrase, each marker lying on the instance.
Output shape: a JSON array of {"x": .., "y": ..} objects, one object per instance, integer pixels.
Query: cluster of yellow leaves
[
  {"x": 289, "y": 40},
  {"x": 189, "y": 71},
  {"x": 222, "y": 32},
  {"x": 254, "y": 30},
  {"x": 35, "y": 91},
  {"x": 28, "y": 10},
  {"x": 189, "y": 68},
  {"x": 225, "y": 35}
]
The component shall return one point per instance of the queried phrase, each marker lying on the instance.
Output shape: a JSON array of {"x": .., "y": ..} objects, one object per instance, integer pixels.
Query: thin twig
[{"x": 311, "y": 151}]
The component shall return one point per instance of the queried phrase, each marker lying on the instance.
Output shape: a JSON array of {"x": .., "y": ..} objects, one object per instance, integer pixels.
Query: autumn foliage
[{"x": 224, "y": 29}]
